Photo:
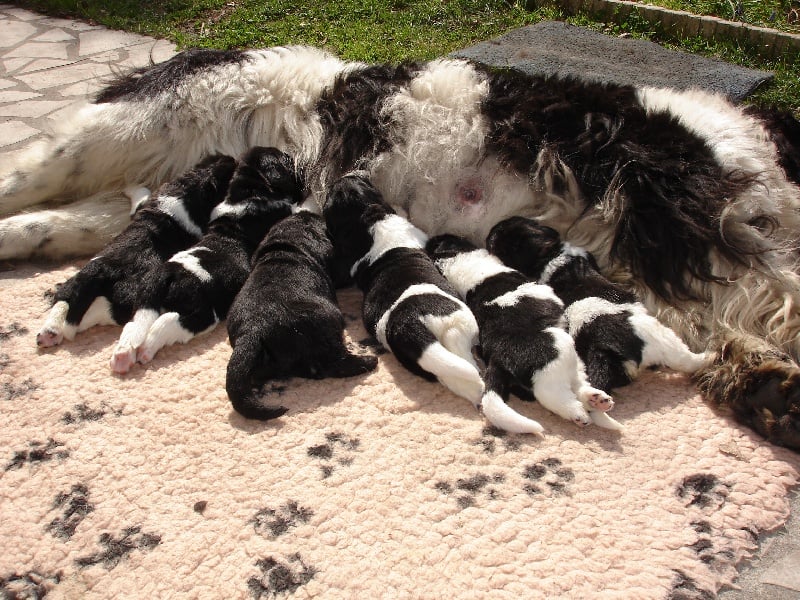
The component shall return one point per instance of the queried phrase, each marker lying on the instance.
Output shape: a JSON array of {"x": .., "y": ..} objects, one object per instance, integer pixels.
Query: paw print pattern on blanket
[
  {"x": 686, "y": 588},
  {"x": 703, "y": 490},
  {"x": 704, "y": 546},
  {"x": 491, "y": 436},
  {"x": 337, "y": 449},
  {"x": 39, "y": 452},
  {"x": 5, "y": 360},
  {"x": 75, "y": 506},
  {"x": 32, "y": 584},
  {"x": 13, "y": 330},
  {"x": 548, "y": 474},
  {"x": 272, "y": 522},
  {"x": 83, "y": 413},
  {"x": 467, "y": 491},
  {"x": 12, "y": 391},
  {"x": 117, "y": 549},
  {"x": 280, "y": 576}
]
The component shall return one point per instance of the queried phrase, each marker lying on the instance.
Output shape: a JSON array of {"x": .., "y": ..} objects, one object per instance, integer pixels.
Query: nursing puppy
[
  {"x": 614, "y": 334},
  {"x": 107, "y": 289},
  {"x": 191, "y": 292},
  {"x": 522, "y": 336},
  {"x": 408, "y": 305},
  {"x": 285, "y": 321}
]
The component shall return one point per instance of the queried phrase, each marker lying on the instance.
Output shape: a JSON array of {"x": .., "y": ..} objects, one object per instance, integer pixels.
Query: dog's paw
[
  {"x": 48, "y": 337},
  {"x": 144, "y": 355},
  {"x": 762, "y": 390},
  {"x": 580, "y": 417},
  {"x": 122, "y": 360},
  {"x": 596, "y": 399}
]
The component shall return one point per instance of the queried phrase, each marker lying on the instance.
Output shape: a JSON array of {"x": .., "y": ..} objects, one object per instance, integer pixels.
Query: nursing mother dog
[{"x": 690, "y": 202}]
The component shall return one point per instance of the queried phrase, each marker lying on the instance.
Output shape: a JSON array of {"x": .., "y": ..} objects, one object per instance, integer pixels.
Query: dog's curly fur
[{"x": 689, "y": 201}]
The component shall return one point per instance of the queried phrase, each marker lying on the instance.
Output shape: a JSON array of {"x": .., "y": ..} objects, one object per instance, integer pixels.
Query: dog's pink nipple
[{"x": 469, "y": 192}]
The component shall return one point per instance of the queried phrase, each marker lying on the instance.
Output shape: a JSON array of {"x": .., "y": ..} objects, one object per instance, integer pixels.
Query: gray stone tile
[
  {"x": 7, "y": 83},
  {"x": 15, "y": 64},
  {"x": 93, "y": 42},
  {"x": 12, "y": 132},
  {"x": 22, "y": 14},
  {"x": 785, "y": 572},
  {"x": 68, "y": 24},
  {"x": 39, "y": 50},
  {"x": 82, "y": 88},
  {"x": 14, "y": 32},
  {"x": 32, "y": 109},
  {"x": 40, "y": 80},
  {"x": 44, "y": 63},
  {"x": 17, "y": 96},
  {"x": 55, "y": 35}
]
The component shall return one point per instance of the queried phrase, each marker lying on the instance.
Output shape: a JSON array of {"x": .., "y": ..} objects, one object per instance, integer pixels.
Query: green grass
[
  {"x": 393, "y": 30},
  {"x": 764, "y": 13}
]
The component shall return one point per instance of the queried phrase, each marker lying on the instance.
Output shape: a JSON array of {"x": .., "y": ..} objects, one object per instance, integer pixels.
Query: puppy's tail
[
  {"x": 502, "y": 416},
  {"x": 246, "y": 371}
]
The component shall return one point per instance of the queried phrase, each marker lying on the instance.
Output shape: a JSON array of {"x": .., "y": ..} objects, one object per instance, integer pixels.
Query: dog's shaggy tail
[{"x": 246, "y": 371}]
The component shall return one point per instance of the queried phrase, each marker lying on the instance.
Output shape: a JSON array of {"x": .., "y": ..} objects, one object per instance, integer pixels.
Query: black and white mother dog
[
  {"x": 687, "y": 200},
  {"x": 614, "y": 334},
  {"x": 109, "y": 288},
  {"x": 523, "y": 339},
  {"x": 192, "y": 291},
  {"x": 408, "y": 305}
]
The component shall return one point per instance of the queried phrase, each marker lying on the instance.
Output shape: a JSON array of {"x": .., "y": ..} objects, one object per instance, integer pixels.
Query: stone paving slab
[
  {"x": 49, "y": 66},
  {"x": 39, "y": 84},
  {"x": 555, "y": 47}
]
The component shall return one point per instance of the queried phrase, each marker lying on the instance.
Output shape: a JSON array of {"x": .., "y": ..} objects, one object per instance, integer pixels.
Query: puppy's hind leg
[
  {"x": 174, "y": 328},
  {"x": 133, "y": 336},
  {"x": 662, "y": 346},
  {"x": 495, "y": 409}
]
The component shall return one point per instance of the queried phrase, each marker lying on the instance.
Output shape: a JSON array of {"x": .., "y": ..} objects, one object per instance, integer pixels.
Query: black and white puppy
[
  {"x": 614, "y": 334},
  {"x": 408, "y": 305},
  {"x": 523, "y": 340},
  {"x": 191, "y": 292},
  {"x": 107, "y": 290},
  {"x": 285, "y": 321}
]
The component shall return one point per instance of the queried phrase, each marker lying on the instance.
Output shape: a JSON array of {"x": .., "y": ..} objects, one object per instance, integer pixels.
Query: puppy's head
[
  {"x": 304, "y": 232},
  {"x": 353, "y": 205},
  {"x": 447, "y": 246},
  {"x": 524, "y": 245},
  {"x": 266, "y": 174}
]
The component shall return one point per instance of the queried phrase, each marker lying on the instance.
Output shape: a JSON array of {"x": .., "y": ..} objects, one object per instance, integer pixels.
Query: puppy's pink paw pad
[
  {"x": 600, "y": 401},
  {"x": 48, "y": 338}
]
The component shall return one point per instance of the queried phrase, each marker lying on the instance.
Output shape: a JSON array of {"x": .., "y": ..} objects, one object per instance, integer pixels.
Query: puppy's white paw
[
  {"x": 49, "y": 337},
  {"x": 144, "y": 355},
  {"x": 602, "y": 419},
  {"x": 122, "y": 360},
  {"x": 596, "y": 399}
]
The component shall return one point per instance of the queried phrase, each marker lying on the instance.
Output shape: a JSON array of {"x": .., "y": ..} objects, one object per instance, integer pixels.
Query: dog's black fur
[
  {"x": 285, "y": 321},
  {"x": 118, "y": 272},
  {"x": 262, "y": 191},
  {"x": 607, "y": 341}
]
